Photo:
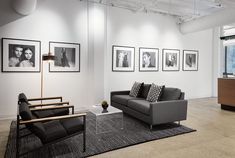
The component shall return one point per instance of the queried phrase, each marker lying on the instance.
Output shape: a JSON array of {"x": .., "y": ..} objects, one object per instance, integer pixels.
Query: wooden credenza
[{"x": 226, "y": 93}]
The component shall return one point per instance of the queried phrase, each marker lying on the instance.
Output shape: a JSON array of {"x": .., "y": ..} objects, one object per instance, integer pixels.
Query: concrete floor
[{"x": 215, "y": 136}]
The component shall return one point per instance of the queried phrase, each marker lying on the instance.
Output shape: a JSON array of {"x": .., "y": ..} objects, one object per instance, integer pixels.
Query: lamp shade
[{"x": 49, "y": 56}]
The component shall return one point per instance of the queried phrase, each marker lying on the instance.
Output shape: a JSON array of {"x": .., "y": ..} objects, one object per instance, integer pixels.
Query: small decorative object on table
[{"x": 104, "y": 105}]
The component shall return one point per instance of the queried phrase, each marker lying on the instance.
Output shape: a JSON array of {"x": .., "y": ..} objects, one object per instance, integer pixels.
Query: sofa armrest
[
  {"x": 168, "y": 111},
  {"x": 118, "y": 93}
]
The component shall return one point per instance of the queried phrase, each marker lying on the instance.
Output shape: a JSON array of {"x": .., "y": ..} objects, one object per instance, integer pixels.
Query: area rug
[{"x": 133, "y": 132}]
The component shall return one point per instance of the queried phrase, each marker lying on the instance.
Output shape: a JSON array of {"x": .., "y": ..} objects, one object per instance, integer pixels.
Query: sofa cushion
[
  {"x": 123, "y": 99},
  {"x": 154, "y": 93},
  {"x": 135, "y": 89},
  {"x": 144, "y": 90},
  {"x": 142, "y": 106},
  {"x": 170, "y": 94}
]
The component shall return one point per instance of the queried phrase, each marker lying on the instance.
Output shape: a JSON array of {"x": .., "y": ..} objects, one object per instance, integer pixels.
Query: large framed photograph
[
  {"x": 148, "y": 59},
  {"x": 190, "y": 60},
  {"x": 170, "y": 60},
  {"x": 21, "y": 55},
  {"x": 67, "y": 57},
  {"x": 123, "y": 59}
]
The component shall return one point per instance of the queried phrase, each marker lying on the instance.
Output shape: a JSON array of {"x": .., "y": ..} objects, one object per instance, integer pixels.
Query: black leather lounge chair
[{"x": 49, "y": 129}]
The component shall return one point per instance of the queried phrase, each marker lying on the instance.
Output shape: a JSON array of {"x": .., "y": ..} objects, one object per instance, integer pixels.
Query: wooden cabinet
[{"x": 226, "y": 93}]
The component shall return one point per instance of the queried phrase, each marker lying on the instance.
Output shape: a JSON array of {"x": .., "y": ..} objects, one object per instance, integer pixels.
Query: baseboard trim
[{"x": 227, "y": 107}]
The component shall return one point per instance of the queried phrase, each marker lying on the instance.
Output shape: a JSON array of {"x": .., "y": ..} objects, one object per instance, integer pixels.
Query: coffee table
[{"x": 107, "y": 121}]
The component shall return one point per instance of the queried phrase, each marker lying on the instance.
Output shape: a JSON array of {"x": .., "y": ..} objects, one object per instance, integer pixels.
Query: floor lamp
[{"x": 45, "y": 57}]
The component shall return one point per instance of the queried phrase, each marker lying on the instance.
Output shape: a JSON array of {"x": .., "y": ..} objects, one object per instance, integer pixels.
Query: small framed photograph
[
  {"x": 21, "y": 55},
  {"x": 123, "y": 59},
  {"x": 170, "y": 60},
  {"x": 67, "y": 57},
  {"x": 148, "y": 59},
  {"x": 190, "y": 60}
]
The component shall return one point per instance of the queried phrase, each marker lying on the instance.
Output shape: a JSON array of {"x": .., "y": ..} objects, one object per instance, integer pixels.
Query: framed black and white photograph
[
  {"x": 170, "y": 60},
  {"x": 21, "y": 55},
  {"x": 67, "y": 57},
  {"x": 148, "y": 59},
  {"x": 190, "y": 60},
  {"x": 123, "y": 59}
]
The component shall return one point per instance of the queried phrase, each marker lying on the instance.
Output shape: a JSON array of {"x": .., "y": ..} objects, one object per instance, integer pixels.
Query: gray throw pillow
[
  {"x": 154, "y": 93},
  {"x": 135, "y": 89}
]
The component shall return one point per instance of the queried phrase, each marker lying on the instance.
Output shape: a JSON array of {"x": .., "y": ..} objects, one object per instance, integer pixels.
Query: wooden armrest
[
  {"x": 51, "y": 118},
  {"x": 51, "y": 108},
  {"x": 47, "y": 98},
  {"x": 47, "y": 104}
]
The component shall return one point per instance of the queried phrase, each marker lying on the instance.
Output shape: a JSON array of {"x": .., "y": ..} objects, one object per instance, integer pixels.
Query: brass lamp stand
[{"x": 45, "y": 57}]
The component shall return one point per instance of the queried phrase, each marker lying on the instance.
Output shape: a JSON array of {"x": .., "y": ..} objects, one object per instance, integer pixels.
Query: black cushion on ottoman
[{"x": 72, "y": 125}]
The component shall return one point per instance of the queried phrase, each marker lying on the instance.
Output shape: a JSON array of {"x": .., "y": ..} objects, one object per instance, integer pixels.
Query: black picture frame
[
  {"x": 127, "y": 54},
  {"x": 170, "y": 59},
  {"x": 153, "y": 54},
  {"x": 21, "y": 55},
  {"x": 67, "y": 57},
  {"x": 190, "y": 60}
]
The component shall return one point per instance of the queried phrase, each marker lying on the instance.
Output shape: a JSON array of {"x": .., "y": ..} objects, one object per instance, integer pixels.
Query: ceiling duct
[
  {"x": 217, "y": 19},
  {"x": 24, "y": 7}
]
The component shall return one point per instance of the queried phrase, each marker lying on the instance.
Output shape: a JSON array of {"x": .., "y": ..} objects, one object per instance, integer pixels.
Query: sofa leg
[
  {"x": 151, "y": 127},
  {"x": 179, "y": 123}
]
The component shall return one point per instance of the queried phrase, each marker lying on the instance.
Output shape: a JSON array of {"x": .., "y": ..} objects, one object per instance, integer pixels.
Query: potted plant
[{"x": 104, "y": 104}]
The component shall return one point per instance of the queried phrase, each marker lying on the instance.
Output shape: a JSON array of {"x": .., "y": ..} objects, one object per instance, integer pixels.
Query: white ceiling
[{"x": 183, "y": 10}]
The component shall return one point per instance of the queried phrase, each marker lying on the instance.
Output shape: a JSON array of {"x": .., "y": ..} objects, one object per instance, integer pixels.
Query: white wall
[
  {"x": 54, "y": 20},
  {"x": 157, "y": 31},
  {"x": 97, "y": 28}
]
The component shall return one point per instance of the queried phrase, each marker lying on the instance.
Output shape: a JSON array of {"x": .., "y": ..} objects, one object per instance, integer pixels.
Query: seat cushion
[
  {"x": 53, "y": 131},
  {"x": 60, "y": 112},
  {"x": 142, "y": 106},
  {"x": 51, "y": 113},
  {"x": 72, "y": 125},
  {"x": 144, "y": 91},
  {"x": 43, "y": 113},
  {"x": 170, "y": 94},
  {"x": 123, "y": 99}
]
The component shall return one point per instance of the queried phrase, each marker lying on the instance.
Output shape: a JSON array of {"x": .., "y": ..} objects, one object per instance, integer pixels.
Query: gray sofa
[{"x": 171, "y": 106}]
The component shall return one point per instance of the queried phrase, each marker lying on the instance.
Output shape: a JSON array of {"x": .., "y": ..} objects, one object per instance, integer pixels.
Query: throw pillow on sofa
[
  {"x": 135, "y": 89},
  {"x": 144, "y": 90},
  {"x": 154, "y": 93}
]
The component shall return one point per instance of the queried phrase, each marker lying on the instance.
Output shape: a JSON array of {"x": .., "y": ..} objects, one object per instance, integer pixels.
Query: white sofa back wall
[
  {"x": 52, "y": 21},
  {"x": 157, "y": 31}
]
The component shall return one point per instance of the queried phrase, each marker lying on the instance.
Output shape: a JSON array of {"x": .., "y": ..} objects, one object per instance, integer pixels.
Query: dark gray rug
[{"x": 134, "y": 132}]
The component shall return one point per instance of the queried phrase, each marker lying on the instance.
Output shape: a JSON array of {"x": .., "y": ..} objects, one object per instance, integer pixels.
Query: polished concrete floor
[{"x": 215, "y": 136}]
